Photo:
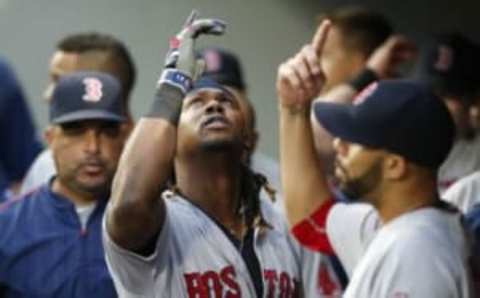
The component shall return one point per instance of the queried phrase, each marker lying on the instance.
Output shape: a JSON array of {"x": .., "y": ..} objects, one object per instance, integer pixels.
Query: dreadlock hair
[
  {"x": 248, "y": 206},
  {"x": 249, "y": 203}
]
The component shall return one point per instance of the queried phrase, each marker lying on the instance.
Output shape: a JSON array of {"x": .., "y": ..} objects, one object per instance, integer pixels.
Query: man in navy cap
[
  {"x": 389, "y": 145},
  {"x": 84, "y": 51},
  {"x": 449, "y": 64},
  {"x": 50, "y": 240}
]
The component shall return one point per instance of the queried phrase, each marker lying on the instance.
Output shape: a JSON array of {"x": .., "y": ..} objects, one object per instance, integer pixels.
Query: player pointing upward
[
  {"x": 389, "y": 145},
  {"x": 211, "y": 236}
]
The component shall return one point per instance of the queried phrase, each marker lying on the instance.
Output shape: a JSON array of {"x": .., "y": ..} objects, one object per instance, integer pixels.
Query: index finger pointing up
[{"x": 320, "y": 36}]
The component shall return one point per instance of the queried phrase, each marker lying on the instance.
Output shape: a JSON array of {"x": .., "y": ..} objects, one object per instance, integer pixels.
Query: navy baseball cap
[
  {"x": 449, "y": 63},
  {"x": 223, "y": 66},
  {"x": 87, "y": 96},
  {"x": 401, "y": 116}
]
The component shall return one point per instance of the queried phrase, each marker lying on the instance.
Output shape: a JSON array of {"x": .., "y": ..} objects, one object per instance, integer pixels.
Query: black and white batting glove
[{"x": 182, "y": 67}]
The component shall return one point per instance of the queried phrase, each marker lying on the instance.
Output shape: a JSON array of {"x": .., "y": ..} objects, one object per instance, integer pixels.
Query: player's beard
[
  {"x": 222, "y": 146},
  {"x": 359, "y": 188}
]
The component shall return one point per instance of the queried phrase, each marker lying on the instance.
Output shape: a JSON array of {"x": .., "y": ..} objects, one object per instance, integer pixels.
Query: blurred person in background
[
  {"x": 83, "y": 51},
  {"x": 356, "y": 33},
  {"x": 449, "y": 64},
  {"x": 19, "y": 142}
]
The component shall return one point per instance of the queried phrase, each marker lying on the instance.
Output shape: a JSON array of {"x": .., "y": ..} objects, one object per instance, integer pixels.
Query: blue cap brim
[
  {"x": 88, "y": 115},
  {"x": 340, "y": 121}
]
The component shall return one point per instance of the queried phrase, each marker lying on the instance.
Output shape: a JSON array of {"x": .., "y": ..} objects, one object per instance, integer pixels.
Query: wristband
[
  {"x": 363, "y": 79},
  {"x": 171, "y": 89},
  {"x": 177, "y": 79},
  {"x": 167, "y": 103}
]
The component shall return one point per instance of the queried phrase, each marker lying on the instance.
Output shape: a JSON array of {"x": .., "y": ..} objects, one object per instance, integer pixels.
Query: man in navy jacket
[{"x": 50, "y": 240}]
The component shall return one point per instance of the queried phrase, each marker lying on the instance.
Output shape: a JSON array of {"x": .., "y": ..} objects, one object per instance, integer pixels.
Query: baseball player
[
  {"x": 210, "y": 236},
  {"x": 321, "y": 274},
  {"x": 50, "y": 239},
  {"x": 86, "y": 51},
  {"x": 403, "y": 241}
]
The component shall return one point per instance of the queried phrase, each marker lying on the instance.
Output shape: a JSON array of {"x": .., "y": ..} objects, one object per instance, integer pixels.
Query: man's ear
[
  {"x": 396, "y": 167},
  {"x": 48, "y": 134}
]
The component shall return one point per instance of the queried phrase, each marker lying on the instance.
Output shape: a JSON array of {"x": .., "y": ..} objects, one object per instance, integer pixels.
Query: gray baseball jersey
[
  {"x": 195, "y": 259},
  {"x": 423, "y": 253}
]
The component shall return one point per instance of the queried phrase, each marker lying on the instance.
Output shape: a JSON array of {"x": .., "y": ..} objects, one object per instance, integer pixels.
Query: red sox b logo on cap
[
  {"x": 365, "y": 93},
  {"x": 93, "y": 89}
]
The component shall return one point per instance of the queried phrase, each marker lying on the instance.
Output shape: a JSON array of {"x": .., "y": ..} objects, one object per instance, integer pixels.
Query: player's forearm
[
  {"x": 137, "y": 212},
  {"x": 304, "y": 183}
]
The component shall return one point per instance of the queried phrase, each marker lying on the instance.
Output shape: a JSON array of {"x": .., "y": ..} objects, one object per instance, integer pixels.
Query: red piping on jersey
[{"x": 311, "y": 232}]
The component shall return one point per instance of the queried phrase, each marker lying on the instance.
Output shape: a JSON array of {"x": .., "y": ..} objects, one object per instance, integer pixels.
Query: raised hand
[
  {"x": 182, "y": 67},
  {"x": 301, "y": 78},
  {"x": 181, "y": 55},
  {"x": 385, "y": 60}
]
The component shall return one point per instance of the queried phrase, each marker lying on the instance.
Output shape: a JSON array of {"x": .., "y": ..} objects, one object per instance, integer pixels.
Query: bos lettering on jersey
[{"x": 213, "y": 284}]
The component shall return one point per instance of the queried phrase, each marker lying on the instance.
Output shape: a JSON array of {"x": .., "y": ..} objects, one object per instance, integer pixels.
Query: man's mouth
[
  {"x": 93, "y": 168},
  {"x": 215, "y": 122}
]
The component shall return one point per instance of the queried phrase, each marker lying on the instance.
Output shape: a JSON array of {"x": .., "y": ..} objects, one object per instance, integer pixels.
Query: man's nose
[
  {"x": 92, "y": 141},
  {"x": 214, "y": 106}
]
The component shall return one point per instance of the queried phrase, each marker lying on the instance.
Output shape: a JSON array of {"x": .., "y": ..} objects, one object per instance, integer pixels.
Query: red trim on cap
[{"x": 311, "y": 232}]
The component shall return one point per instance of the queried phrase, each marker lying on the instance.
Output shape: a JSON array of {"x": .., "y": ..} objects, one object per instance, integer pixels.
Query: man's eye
[
  {"x": 72, "y": 129},
  {"x": 226, "y": 99},
  {"x": 111, "y": 130},
  {"x": 195, "y": 101}
]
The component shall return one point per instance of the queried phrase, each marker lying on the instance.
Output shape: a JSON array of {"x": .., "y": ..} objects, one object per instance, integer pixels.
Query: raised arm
[
  {"x": 299, "y": 80},
  {"x": 382, "y": 64},
  {"x": 137, "y": 212}
]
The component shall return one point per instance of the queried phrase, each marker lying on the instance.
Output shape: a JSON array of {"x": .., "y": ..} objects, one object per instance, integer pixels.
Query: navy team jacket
[{"x": 45, "y": 253}]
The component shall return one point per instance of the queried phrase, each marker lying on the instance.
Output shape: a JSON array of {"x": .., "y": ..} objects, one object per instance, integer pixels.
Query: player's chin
[
  {"x": 95, "y": 184},
  {"x": 220, "y": 143}
]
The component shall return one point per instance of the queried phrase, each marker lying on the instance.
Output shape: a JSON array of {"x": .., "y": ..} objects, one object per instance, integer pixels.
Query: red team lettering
[{"x": 211, "y": 284}]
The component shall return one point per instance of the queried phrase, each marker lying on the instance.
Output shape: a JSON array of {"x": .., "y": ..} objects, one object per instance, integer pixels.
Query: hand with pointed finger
[
  {"x": 385, "y": 60},
  {"x": 182, "y": 67},
  {"x": 301, "y": 78}
]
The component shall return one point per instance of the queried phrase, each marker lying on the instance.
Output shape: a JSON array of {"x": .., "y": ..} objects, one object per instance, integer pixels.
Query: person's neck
[
  {"x": 405, "y": 198},
  {"x": 212, "y": 181},
  {"x": 77, "y": 198}
]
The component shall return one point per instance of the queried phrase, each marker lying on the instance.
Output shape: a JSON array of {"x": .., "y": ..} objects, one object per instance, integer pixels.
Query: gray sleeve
[
  {"x": 350, "y": 228},
  {"x": 413, "y": 271},
  {"x": 39, "y": 173},
  {"x": 133, "y": 274}
]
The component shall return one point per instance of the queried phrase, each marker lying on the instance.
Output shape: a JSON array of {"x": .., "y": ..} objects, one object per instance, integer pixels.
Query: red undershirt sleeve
[{"x": 312, "y": 232}]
